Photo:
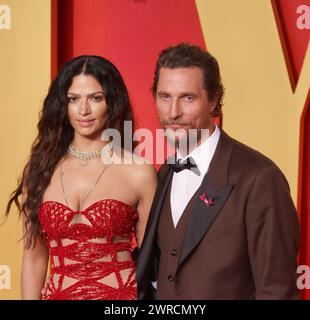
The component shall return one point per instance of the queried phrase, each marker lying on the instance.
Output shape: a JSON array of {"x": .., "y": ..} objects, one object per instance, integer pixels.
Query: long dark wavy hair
[{"x": 55, "y": 133}]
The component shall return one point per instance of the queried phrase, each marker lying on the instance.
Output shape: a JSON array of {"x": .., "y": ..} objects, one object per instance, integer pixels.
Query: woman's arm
[
  {"x": 34, "y": 265},
  {"x": 34, "y": 268}
]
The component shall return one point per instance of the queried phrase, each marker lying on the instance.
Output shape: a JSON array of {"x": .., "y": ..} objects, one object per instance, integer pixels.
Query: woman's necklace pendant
[{"x": 84, "y": 162}]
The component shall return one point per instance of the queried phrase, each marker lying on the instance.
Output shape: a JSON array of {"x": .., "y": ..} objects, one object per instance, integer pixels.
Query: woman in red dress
[{"x": 80, "y": 210}]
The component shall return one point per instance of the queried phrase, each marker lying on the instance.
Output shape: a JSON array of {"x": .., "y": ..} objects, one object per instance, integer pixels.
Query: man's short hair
[{"x": 185, "y": 55}]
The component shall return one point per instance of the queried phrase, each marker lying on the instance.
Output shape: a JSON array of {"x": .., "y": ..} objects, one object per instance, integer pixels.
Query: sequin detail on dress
[{"x": 85, "y": 248}]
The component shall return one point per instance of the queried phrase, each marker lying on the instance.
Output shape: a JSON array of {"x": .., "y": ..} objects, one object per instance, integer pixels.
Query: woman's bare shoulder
[{"x": 138, "y": 169}]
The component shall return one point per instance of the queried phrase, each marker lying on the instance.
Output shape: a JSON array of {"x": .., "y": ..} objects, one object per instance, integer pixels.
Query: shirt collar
[{"x": 203, "y": 154}]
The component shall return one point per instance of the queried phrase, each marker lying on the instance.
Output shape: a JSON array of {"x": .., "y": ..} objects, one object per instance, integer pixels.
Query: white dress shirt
[{"x": 185, "y": 183}]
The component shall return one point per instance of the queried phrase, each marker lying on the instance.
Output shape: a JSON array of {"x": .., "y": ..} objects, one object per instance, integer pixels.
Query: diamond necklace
[{"x": 85, "y": 156}]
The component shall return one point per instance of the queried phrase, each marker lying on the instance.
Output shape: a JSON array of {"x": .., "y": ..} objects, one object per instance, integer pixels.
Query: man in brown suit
[{"x": 223, "y": 224}]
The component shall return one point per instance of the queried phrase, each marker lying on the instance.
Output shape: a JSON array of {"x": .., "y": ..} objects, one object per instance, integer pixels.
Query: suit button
[
  {"x": 173, "y": 252},
  {"x": 171, "y": 277}
]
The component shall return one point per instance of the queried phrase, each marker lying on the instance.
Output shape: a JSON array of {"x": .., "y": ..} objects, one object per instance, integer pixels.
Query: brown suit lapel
[{"x": 215, "y": 185}]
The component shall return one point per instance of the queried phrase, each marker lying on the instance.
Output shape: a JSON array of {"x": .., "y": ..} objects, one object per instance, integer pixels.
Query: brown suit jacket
[{"x": 244, "y": 246}]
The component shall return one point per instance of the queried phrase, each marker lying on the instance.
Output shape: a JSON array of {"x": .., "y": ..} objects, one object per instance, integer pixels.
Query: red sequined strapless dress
[{"x": 90, "y": 251}]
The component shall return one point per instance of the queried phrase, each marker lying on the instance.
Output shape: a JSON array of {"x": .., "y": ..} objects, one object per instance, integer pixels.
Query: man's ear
[
  {"x": 213, "y": 105},
  {"x": 215, "y": 108}
]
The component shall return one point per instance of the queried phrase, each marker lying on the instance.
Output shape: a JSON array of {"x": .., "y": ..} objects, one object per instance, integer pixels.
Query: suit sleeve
[{"x": 273, "y": 236}]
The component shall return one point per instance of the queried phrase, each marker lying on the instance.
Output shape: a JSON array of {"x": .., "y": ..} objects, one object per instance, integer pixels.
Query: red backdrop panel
[{"x": 294, "y": 39}]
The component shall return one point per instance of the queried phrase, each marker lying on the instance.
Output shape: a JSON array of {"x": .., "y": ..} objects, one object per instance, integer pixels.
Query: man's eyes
[
  {"x": 189, "y": 98},
  {"x": 186, "y": 98},
  {"x": 164, "y": 97}
]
